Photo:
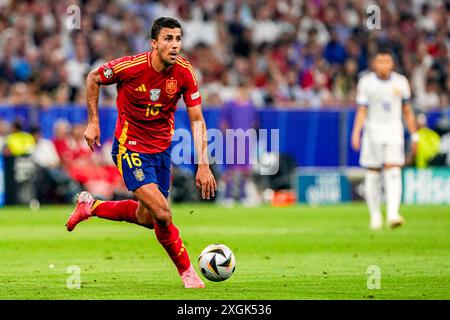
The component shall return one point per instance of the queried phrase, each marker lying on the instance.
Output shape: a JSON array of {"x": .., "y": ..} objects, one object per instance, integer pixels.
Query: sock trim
[{"x": 96, "y": 204}]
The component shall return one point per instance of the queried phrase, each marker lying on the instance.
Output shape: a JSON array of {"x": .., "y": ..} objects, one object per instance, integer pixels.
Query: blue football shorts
[{"x": 138, "y": 169}]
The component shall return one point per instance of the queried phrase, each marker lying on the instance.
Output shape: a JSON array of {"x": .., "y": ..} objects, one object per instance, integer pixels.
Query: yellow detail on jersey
[
  {"x": 184, "y": 64},
  {"x": 179, "y": 59},
  {"x": 171, "y": 127},
  {"x": 124, "y": 63},
  {"x": 122, "y": 148},
  {"x": 188, "y": 66},
  {"x": 129, "y": 65},
  {"x": 153, "y": 109},
  {"x": 141, "y": 88}
]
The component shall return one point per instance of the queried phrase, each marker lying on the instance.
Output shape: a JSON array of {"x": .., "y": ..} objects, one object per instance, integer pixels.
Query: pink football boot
[
  {"x": 191, "y": 279},
  {"x": 82, "y": 210}
]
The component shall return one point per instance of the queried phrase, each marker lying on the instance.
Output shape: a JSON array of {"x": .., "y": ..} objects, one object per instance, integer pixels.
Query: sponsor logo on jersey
[
  {"x": 171, "y": 86},
  {"x": 107, "y": 72},
  {"x": 154, "y": 94},
  {"x": 139, "y": 174},
  {"x": 141, "y": 88},
  {"x": 195, "y": 95},
  {"x": 132, "y": 143}
]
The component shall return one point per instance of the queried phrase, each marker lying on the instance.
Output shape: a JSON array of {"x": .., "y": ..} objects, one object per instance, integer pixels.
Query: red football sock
[
  {"x": 124, "y": 210},
  {"x": 169, "y": 238}
]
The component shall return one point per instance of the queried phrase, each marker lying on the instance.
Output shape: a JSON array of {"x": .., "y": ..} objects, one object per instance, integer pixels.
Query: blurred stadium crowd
[{"x": 291, "y": 53}]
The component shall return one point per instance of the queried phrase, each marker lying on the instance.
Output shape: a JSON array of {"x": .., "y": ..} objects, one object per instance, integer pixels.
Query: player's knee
[{"x": 162, "y": 216}]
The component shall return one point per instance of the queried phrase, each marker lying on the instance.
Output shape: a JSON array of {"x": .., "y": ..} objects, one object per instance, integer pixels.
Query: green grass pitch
[{"x": 290, "y": 253}]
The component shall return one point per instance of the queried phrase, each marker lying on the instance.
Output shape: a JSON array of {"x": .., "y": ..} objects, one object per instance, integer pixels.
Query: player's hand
[
  {"x": 412, "y": 154},
  {"x": 356, "y": 142},
  {"x": 413, "y": 148},
  {"x": 92, "y": 134},
  {"x": 206, "y": 182},
  {"x": 409, "y": 160}
]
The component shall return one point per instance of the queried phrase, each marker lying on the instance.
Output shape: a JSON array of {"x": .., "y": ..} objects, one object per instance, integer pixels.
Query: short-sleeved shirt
[
  {"x": 384, "y": 100},
  {"x": 146, "y": 100}
]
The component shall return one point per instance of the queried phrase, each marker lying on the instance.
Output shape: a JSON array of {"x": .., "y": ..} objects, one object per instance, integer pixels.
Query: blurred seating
[{"x": 295, "y": 54}]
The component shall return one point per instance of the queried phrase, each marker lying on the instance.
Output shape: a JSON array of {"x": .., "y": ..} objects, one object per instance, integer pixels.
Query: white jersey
[{"x": 384, "y": 100}]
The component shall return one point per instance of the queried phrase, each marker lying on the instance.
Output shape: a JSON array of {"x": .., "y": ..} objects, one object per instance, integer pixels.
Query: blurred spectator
[
  {"x": 62, "y": 141},
  {"x": 44, "y": 154},
  {"x": 18, "y": 142},
  {"x": 290, "y": 54},
  {"x": 423, "y": 63},
  {"x": 334, "y": 51},
  {"x": 291, "y": 91},
  {"x": 4, "y": 131},
  {"x": 227, "y": 42},
  {"x": 445, "y": 147},
  {"x": 77, "y": 69},
  {"x": 429, "y": 99},
  {"x": 89, "y": 168},
  {"x": 428, "y": 145},
  {"x": 442, "y": 128},
  {"x": 52, "y": 183},
  {"x": 344, "y": 83}
]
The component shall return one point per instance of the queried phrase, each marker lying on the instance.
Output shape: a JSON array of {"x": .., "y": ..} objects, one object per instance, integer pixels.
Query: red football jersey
[{"x": 146, "y": 100}]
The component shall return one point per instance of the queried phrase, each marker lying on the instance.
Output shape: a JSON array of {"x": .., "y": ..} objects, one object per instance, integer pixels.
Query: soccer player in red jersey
[{"x": 149, "y": 86}]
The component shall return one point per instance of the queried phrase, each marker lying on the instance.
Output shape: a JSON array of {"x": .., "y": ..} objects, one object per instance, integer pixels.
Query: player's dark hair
[
  {"x": 35, "y": 130},
  {"x": 18, "y": 124},
  {"x": 384, "y": 50},
  {"x": 163, "y": 22}
]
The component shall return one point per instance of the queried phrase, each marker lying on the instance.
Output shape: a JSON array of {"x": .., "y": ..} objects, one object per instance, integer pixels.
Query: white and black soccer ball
[{"x": 217, "y": 262}]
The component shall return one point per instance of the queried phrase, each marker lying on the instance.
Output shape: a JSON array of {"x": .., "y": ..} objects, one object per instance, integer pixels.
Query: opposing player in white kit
[{"x": 383, "y": 100}]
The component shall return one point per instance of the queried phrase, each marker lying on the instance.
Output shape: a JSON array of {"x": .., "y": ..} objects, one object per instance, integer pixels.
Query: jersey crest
[
  {"x": 171, "y": 86},
  {"x": 139, "y": 175}
]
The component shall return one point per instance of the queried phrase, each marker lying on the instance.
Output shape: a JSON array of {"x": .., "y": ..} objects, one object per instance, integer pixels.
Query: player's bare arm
[
  {"x": 92, "y": 132},
  {"x": 205, "y": 179},
  {"x": 360, "y": 118},
  {"x": 410, "y": 121}
]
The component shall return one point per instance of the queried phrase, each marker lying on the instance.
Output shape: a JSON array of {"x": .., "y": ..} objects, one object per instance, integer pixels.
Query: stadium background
[{"x": 301, "y": 61}]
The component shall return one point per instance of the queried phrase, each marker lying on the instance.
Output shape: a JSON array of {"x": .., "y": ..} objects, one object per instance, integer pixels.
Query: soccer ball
[{"x": 217, "y": 262}]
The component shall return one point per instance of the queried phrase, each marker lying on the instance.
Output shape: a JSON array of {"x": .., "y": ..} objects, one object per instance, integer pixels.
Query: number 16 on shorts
[{"x": 133, "y": 160}]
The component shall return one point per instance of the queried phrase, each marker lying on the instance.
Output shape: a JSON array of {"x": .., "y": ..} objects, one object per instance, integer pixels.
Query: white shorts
[{"x": 376, "y": 154}]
